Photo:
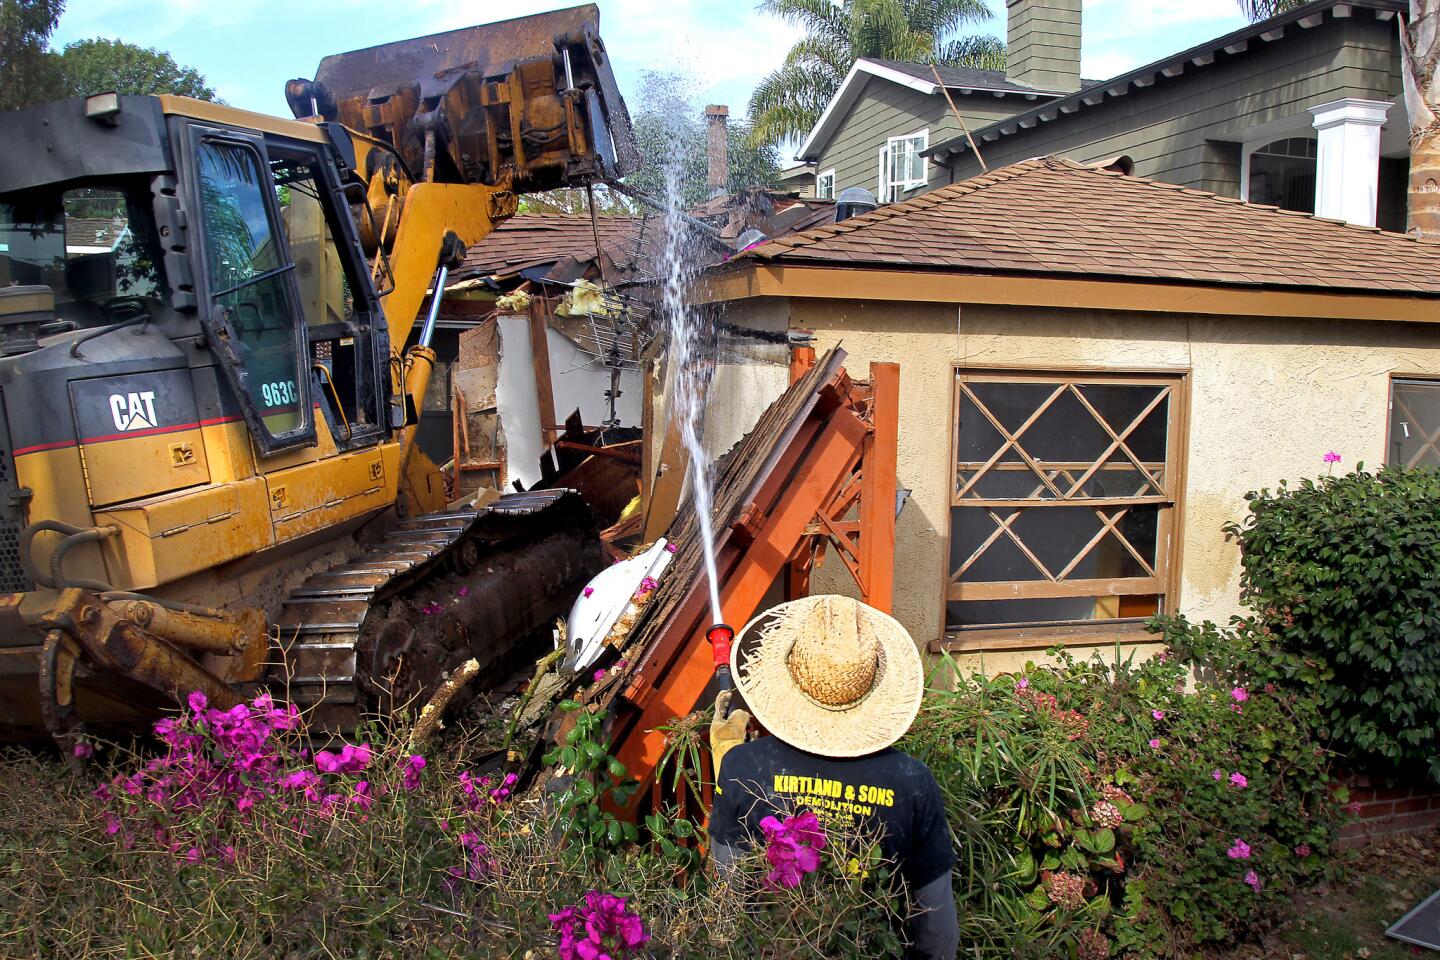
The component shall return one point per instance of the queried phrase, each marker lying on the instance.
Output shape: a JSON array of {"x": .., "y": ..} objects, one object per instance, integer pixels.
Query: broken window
[
  {"x": 1063, "y": 497},
  {"x": 1414, "y": 423}
]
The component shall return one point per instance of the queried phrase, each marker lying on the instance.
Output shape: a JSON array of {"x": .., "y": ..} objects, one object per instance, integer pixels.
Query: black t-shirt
[{"x": 886, "y": 790}]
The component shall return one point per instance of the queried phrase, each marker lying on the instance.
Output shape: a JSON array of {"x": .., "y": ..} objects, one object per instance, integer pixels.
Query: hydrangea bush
[{"x": 1106, "y": 808}]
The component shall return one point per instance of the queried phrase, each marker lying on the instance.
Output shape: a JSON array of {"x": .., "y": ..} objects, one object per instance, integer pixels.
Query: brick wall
[{"x": 1384, "y": 808}]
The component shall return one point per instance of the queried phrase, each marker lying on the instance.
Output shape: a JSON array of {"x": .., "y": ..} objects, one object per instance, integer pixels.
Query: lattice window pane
[
  {"x": 1414, "y": 423},
  {"x": 1063, "y": 497}
]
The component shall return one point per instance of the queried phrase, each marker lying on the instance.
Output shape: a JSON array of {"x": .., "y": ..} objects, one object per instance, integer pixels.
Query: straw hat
[{"x": 829, "y": 675}]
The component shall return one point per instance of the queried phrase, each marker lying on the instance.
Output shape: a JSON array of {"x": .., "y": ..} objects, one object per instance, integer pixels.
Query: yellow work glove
[{"x": 726, "y": 732}]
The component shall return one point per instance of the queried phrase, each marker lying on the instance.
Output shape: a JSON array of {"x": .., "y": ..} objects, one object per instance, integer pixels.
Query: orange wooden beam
[
  {"x": 825, "y": 467},
  {"x": 878, "y": 483}
]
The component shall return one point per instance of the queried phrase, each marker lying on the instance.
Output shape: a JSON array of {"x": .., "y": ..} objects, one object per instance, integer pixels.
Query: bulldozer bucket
[{"x": 529, "y": 103}]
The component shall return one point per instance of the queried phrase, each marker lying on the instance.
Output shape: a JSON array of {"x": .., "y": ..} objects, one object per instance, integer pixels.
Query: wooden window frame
[
  {"x": 1390, "y": 406},
  {"x": 1169, "y": 551}
]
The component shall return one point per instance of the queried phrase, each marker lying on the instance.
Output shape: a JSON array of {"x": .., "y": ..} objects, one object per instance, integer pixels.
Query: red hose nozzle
[{"x": 721, "y": 637}]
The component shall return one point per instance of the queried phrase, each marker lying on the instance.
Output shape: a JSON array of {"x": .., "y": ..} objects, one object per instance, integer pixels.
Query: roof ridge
[{"x": 889, "y": 211}]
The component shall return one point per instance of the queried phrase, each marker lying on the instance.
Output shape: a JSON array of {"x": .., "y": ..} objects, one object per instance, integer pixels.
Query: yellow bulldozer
[{"x": 214, "y": 344}]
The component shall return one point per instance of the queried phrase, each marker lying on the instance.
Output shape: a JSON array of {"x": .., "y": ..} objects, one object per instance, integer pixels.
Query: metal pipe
[
  {"x": 710, "y": 232},
  {"x": 438, "y": 294},
  {"x": 569, "y": 73}
]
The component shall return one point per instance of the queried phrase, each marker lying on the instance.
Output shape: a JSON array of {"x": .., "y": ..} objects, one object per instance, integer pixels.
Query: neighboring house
[
  {"x": 1094, "y": 370},
  {"x": 1303, "y": 111},
  {"x": 886, "y": 114},
  {"x": 800, "y": 180}
]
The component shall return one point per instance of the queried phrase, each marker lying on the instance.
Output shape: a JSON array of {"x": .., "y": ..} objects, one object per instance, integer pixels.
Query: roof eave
[
  {"x": 778, "y": 276},
  {"x": 850, "y": 89}
]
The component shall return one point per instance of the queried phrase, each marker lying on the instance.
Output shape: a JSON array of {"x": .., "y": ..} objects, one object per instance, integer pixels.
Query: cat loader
[{"x": 214, "y": 344}]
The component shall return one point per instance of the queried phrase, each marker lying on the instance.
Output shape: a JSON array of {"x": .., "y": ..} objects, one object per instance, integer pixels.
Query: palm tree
[{"x": 788, "y": 102}]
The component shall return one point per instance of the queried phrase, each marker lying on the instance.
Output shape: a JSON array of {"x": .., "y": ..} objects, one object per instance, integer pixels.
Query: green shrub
[
  {"x": 1344, "y": 574},
  {"x": 1088, "y": 814}
]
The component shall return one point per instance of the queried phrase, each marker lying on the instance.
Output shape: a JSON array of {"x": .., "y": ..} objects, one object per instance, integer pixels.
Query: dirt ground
[{"x": 1348, "y": 919}]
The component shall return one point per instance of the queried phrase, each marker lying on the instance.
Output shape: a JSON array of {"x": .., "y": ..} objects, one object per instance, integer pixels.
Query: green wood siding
[
  {"x": 885, "y": 109},
  {"x": 1186, "y": 129}
]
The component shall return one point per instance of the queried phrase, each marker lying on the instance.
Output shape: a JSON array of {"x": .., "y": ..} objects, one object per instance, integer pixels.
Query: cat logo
[{"x": 133, "y": 411}]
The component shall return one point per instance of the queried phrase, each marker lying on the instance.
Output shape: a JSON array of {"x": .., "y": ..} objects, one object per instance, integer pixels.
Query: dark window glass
[
  {"x": 1282, "y": 174},
  {"x": 95, "y": 246},
  {"x": 1414, "y": 423},
  {"x": 248, "y": 284}
]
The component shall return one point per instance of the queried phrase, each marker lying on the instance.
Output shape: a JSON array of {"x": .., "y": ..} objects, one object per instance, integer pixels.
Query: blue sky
[{"x": 248, "y": 49}]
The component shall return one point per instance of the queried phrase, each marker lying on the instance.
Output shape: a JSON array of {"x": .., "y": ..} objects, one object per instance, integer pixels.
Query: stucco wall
[{"x": 1268, "y": 399}]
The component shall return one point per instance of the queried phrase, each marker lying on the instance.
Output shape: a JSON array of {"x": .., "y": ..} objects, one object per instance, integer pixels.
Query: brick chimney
[
  {"x": 1044, "y": 43},
  {"x": 717, "y": 168}
]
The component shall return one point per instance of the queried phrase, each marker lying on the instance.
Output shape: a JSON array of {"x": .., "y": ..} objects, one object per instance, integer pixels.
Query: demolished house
[{"x": 544, "y": 335}]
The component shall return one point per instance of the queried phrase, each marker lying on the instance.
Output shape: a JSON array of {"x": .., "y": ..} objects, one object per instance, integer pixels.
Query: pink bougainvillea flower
[
  {"x": 350, "y": 759},
  {"x": 671, "y": 548},
  {"x": 463, "y": 592},
  {"x": 621, "y": 665},
  {"x": 83, "y": 750},
  {"x": 1353, "y": 807},
  {"x": 599, "y": 675},
  {"x": 601, "y": 927},
  {"x": 1218, "y": 774},
  {"x": 587, "y": 591},
  {"x": 1023, "y": 683},
  {"x": 1332, "y": 457},
  {"x": 1303, "y": 850},
  {"x": 112, "y": 824},
  {"x": 1154, "y": 743},
  {"x": 791, "y": 848},
  {"x": 431, "y": 609},
  {"x": 197, "y": 701},
  {"x": 1252, "y": 879},
  {"x": 1238, "y": 780},
  {"x": 192, "y": 856},
  {"x": 1158, "y": 714},
  {"x": 410, "y": 773},
  {"x": 1239, "y": 695},
  {"x": 1239, "y": 850}
]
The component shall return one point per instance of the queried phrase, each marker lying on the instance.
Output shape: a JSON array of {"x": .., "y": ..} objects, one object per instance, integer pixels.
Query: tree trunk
[{"x": 1420, "y": 53}]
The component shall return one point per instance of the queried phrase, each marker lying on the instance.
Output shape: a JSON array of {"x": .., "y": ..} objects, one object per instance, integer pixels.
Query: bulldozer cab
[{"x": 203, "y": 395}]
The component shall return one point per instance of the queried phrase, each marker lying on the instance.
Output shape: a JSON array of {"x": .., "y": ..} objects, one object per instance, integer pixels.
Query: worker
[{"x": 836, "y": 683}]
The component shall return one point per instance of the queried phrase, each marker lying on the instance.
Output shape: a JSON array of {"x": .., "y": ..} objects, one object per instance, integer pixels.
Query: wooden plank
[
  {"x": 540, "y": 356},
  {"x": 1050, "y": 589},
  {"x": 878, "y": 484}
]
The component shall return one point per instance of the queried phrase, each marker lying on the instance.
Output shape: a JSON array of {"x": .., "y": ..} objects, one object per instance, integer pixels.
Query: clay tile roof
[
  {"x": 1055, "y": 216},
  {"x": 530, "y": 240}
]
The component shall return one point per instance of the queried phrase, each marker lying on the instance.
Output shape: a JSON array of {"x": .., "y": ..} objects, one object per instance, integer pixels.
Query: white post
[{"x": 1347, "y": 172}]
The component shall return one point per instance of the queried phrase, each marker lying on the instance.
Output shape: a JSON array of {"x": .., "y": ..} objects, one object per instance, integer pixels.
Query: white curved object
[{"x": 604, "y": 600}]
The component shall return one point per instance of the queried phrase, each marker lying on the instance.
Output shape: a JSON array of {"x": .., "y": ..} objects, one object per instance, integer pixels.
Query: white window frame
[
  {"x": 819, "y": 178},
  {"x": 886, "y": 193}
]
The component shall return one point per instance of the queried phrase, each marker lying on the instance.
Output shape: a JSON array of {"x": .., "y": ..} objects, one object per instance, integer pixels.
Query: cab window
[
  {"x": 338, "y": 327},
  {"x": 249, "y": 286}
]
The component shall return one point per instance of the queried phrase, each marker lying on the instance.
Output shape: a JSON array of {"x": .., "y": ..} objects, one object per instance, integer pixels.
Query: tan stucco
[{"x": 1268, "y": 398}]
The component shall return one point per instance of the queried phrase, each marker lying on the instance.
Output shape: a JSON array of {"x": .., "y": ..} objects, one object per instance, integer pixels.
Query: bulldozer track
[{"x": 380, "y": 629}]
